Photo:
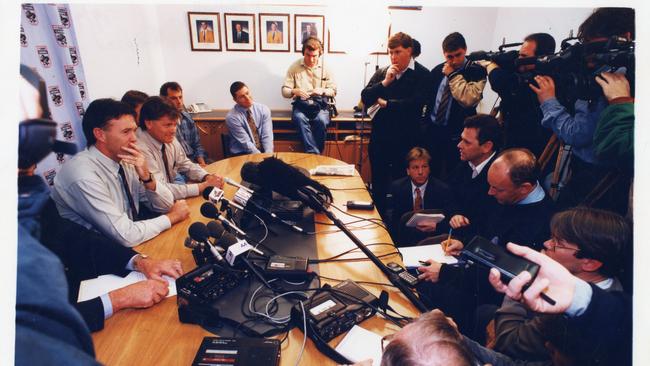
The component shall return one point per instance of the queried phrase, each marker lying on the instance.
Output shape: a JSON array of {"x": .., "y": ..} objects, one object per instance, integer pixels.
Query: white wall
[{"x": 141, "y": 46}]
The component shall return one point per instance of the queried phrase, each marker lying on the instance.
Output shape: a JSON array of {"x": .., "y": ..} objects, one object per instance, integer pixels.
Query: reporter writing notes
[
  {"x": 101, "y": 187},
  {"x": 400, "y": 90},
  {"x": 165, "y": 155}
]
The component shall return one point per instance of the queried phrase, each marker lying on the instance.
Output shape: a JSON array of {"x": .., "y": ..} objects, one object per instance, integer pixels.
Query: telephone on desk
[{"x": 198, "y": 108}]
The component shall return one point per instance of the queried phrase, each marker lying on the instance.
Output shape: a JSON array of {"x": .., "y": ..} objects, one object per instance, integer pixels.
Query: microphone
[
  {"x": 199, "y": 232},
  {"x": 235, "y": 184},
  {"x": 236, "y": 255},
  {"x": 210, "y": 211},
  {"x": 247, "y": 199},
  {"x": 215, "y": 195},
  {"x": 192, "y": 244}
]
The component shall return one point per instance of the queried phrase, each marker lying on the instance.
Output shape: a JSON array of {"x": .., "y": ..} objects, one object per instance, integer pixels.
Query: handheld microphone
[
  {"x": 235, "y": 184},
  {"x": 215, "y": 195},
  {"x": 236, "y": 255},
  {"x": 208, "y": 210},
  {"x": 192, "y": 244},
  {"x": 199, "y": 232},
  {"x": 246, "y": 199}
]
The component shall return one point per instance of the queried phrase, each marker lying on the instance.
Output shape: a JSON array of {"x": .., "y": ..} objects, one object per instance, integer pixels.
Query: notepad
[
  {"x": 90, "y": 289},
  {"x": 413, "y": 255},
  {"x": 360, "y": 344},
  {"x": 344, "y": 170},
  {"x": 424, "y": 217}
]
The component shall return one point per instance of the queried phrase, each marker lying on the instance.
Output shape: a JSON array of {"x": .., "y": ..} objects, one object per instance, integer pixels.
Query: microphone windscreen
[
  {"x": 215, "y": 229},
  {"x": 198, "y": 231},
  {"x": 227, "y": 240},
  {"x": 206, "y": 192},
  {"x": 208, "y": 210},
  {"x": 250, "y": 173}
]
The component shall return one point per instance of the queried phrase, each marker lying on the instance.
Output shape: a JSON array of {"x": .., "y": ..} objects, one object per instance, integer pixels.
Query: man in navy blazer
[{"x": 417, "y": 191}]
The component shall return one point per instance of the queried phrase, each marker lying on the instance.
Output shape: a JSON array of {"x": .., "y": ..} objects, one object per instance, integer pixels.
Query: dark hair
[
  {"x": 134, "y": 98},
  {"x": 312, "y": 44},
  {"x": 544, "y": 43},
  {"x": 488, "y": 129},
  {"x": 522, "y": 165},
  {"x": 417, "y": 153},
  {"x": 607, "y": 22},
  {"x": 235, "y": 87},
  {"x": 400, "y": 39},
  {"x": 599, "y": 234},
  {"x": 453, "y": 42},
  {"x": 155, "y": 108},
  {"x": 417, "y": 48},
  {"x": 169, "y": 85},
  {"x": 99, "y": 112}
]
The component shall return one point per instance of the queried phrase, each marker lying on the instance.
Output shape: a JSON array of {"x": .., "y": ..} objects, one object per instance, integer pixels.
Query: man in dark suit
[
  {"x": 471, "y": 204},
  {"x": 239, "y": 35},
  {"x": 397, "y": 93},
  {"x": 415, "y": 192},
  {"x": 457, "y": 88}
]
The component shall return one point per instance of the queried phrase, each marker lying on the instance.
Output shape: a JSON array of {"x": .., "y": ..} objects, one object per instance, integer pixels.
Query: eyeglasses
[
  {"x": 555, "y": 245},
  {"x": 385, "y": 340}
]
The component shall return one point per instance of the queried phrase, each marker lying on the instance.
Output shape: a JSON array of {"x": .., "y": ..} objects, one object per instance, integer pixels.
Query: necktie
[
  {"x": 273, "y": 36},
  {"x": 442, "y": 107},
  {"x": 129, "y": 197},
  {"x": 251, "y": 124},
  {"x": 417, "y": 203},
  {"x": 170, "y": 179}
]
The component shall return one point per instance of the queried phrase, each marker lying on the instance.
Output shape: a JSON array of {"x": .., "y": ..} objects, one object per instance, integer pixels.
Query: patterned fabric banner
[{"x": 49, "y": 45}]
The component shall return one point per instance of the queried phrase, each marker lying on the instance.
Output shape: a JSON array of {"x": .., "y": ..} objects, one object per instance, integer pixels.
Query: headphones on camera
[{"x": 320, "y": 45}]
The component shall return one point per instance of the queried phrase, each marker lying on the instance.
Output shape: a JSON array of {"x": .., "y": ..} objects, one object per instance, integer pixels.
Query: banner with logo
[{"x": 49, "y": 45}]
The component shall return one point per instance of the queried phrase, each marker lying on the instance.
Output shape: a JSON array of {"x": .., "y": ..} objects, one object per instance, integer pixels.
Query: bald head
[{"x": 512, "y": 176}]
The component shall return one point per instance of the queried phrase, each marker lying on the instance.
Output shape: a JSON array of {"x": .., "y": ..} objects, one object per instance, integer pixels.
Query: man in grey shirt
[
  {"x": 101, "y": 187},
  {"x": 165, "y": 155}
]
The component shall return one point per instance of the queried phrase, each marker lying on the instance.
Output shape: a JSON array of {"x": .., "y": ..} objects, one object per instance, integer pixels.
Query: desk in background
[
  {"x": 342, "y": 143},
  {"x": 155, "y": 336}
]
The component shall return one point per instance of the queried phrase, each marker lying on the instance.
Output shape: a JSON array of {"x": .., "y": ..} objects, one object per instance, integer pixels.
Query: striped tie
[{"x": 441, "y": 113}]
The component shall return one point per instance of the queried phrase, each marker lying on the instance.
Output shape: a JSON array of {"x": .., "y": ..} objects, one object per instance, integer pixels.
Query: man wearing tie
[
  {"x": 249, "y": 123},
  {"x": 457, "y": 89},
  {"x": 274, "y": 35},
  {"x": 239, "y": 35},
  {"x": 206, "y": 35},
  {"x": 415, "y": 192},
  {"x": 101, "y": 187},
  {"x": 165, "y": 155}
]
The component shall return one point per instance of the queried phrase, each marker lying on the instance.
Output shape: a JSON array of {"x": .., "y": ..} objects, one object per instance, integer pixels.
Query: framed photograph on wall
[
  {"x": 274, "y": 32},
  {"x": 330, "y": 48},
  {"x": 384, "y": 46},
  {"x": 306, "y": 26},
  {"x": 205, "y": 31},
  {"x": 240, "y": 32}
]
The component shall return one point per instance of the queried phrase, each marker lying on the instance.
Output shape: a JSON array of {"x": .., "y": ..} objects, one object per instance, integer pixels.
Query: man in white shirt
[
  {"x": 102, "y": 186},
  {"x": 165, "y": 155}
]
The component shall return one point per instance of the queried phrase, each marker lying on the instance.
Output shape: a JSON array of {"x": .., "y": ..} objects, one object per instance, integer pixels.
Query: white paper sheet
[
  {"x": 412, "y": 255},
  {"x": 360, "y": 344},
  {"x": 90, "y": 289}
]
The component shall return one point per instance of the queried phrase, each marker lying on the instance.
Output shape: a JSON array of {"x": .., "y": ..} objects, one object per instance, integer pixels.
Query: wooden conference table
[{"x": 155, "y": 336}]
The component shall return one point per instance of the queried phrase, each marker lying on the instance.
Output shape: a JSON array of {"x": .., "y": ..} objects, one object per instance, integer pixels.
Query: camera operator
[
  {"x": 577, "y": 128},
  {"x": 519, "y": 106}
]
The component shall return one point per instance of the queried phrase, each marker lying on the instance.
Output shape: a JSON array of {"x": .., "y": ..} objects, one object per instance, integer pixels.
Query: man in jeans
[{"x": 306, "y": 78}]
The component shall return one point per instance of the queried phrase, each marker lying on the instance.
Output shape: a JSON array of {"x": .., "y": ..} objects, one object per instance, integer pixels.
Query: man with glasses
[{"x": 592, "y": 245}]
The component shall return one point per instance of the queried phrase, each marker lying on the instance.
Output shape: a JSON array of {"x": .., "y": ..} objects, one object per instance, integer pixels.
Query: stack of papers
[
  {"x": 423, "y": 217},
  {"x": 413, "y": 255},
  {"x": 90, "y": 289},
  {"x": 360, "y": 344},
  {"x": 344, "y": 170}
]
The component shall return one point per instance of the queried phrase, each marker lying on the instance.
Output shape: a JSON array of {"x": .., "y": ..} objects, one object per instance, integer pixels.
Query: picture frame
[
  {"x": 331, "y": 49},
  {"x": 305, "y": 25},
  {"x": 239, "y": 32},
  {"x": 385, "y": 44},
  {"x": 205, "y": 31},
  {"x": 275, "y": 32}
]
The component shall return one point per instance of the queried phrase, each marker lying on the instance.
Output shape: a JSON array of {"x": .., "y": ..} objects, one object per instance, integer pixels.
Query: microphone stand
[{"x": 314, "y": 202}]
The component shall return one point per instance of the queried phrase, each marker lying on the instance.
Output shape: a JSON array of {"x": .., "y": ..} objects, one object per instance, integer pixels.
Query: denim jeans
[{"x": 312, "y": 132}]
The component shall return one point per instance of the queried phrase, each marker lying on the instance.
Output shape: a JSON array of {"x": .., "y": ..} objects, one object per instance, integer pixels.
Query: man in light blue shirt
[{"x": 249, "y": 123}]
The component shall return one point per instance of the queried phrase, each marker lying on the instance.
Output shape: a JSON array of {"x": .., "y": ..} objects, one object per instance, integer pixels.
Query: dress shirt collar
[
  {"x": 410, "y": 66},
  {"x": 423, "y": 188},
  {"x": 476, "y": 170},
  {"x": 148, "y": 139},
  {"x": 606, "y": 283},
  {"x": 110, "y": 164},
  {"x": 318, "y": 65},
  {"x": 243, "y": 110},
  {"x": 536, "y": 195}
]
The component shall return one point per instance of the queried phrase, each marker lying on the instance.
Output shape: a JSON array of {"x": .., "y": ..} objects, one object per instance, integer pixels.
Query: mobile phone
[
  {"x": 490, "y": 255},
  {"x": 360, "y": 205}
]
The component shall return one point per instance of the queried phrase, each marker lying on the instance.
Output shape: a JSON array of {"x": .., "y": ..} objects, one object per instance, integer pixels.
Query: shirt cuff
[
  {"x": 131, "y": 265},
  {"x": 549, "y": 103},
  {"x": 581, "y": 299},
  {"x": 108, "y": 306}
]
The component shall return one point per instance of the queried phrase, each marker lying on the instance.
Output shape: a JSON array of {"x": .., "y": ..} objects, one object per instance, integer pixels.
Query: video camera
[{"x": 505, "y": 59}]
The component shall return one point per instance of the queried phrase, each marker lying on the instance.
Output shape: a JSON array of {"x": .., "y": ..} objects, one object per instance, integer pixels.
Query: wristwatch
[
  {"x": 142, "y": 256},
  {"x": 148, "y": 180}
]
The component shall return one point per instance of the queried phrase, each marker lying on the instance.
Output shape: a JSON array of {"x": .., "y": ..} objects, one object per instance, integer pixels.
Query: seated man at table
[
  {"x": 415, "y": 192},
  {"x": 522, "y": 215},
  {"x": 101, "y": 187},
  {"x": 249, "y": 123},
  {"x": 187, "y": 132},
  {"x": 165, "y": 155}
]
